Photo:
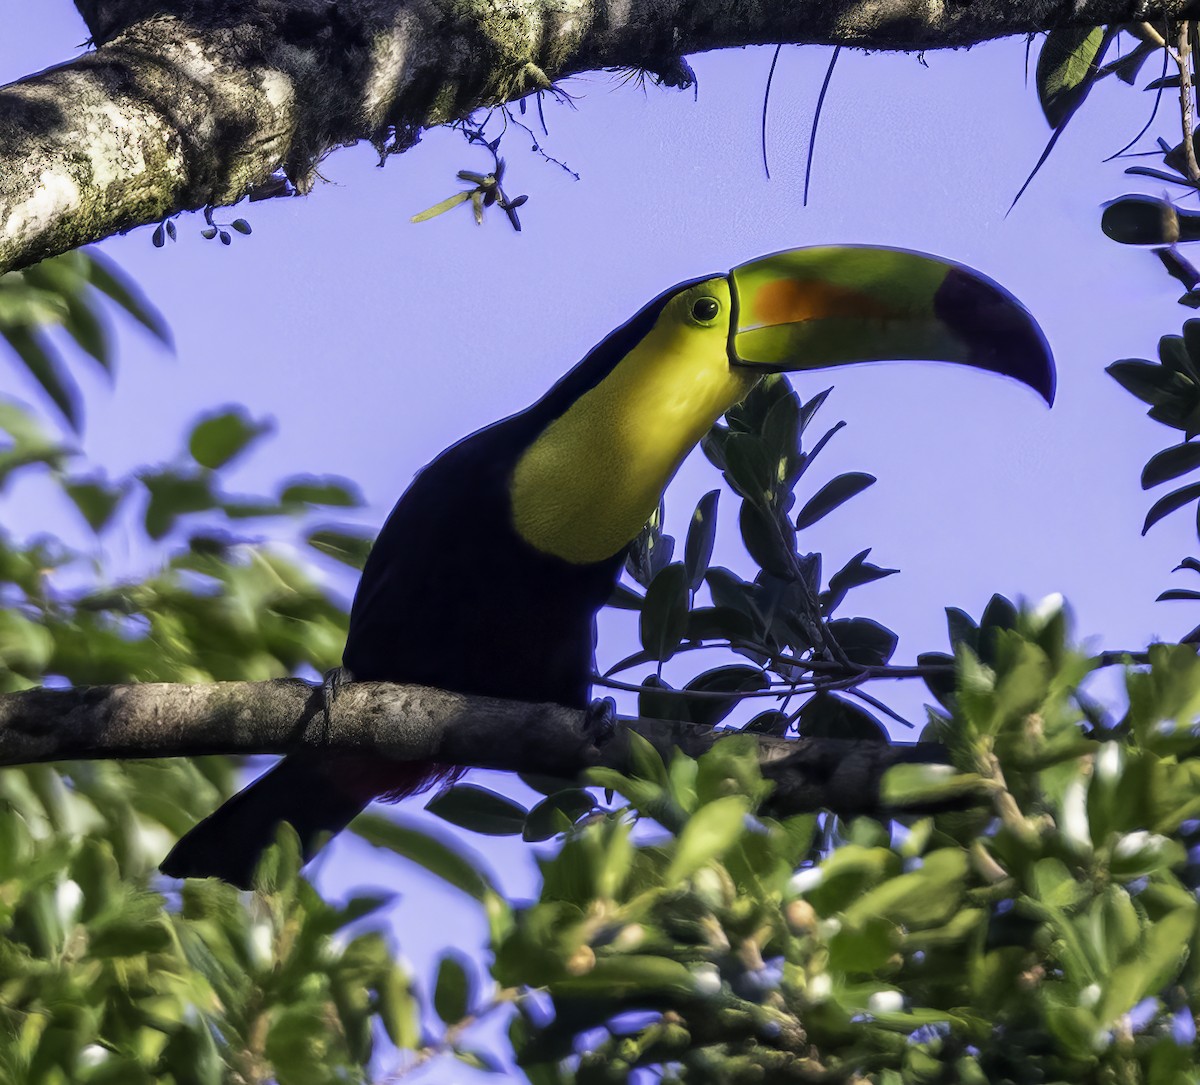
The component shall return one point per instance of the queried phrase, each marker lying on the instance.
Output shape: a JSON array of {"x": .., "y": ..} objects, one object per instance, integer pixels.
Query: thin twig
[
  {"x": 1158, "y": 94},
  {"x": 766, "y": 98},
  {"x": 880, "y": 706},
  {"x": 812, "y": 136}
]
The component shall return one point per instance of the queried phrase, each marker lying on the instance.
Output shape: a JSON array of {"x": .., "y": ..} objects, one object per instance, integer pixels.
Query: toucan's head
[
  {"x": 814, "y": 308},
  {"x": 605, "y": 441}
]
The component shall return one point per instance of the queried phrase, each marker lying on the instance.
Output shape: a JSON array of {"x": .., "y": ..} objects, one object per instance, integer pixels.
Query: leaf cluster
[
  {"x": 782, "y": 619},
  {"x": 1171, "y": 387},
  {"x": 1049, "y": 939}
]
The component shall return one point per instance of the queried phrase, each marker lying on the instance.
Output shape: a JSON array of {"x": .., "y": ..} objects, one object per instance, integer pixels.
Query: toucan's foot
[
  {"x": 600, "y": 720},
  {"x": 331, "y": 685}
]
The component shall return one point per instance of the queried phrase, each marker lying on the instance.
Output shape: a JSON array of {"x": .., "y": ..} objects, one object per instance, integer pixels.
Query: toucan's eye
[{"x": 704, "y": 309}]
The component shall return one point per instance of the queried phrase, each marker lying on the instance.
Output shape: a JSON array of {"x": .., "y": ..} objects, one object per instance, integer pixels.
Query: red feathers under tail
[{"x": 316, "y": 794}]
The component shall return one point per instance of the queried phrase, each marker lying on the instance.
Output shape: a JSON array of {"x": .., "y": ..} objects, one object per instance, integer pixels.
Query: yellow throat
[{"x": 583, "y": 490}]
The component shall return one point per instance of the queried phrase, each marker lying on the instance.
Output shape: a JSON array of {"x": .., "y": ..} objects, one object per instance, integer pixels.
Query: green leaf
[
  {"x": 702, "y": 531},
  {"x": 1178, "y": 594},
  {"x": 452, "y": 993},
  {"x": 1171, "y": 463},
  {"x": 1148, "y": 381},
  {"x": 449, "y": 861},
  {"x": 624, "y": 598},
  {"x": 907, "y": 785},
  {"x": 220, "y": 437},
  {"x": 733, "y": 679},
  {"x": 632, "y": 975},
  {"x": 95, "y": 499},
  {"x": 831, "y": 495},
  {"x": 1141, "y": 220},
  {"x": 856, "y": 572},
  {"x": 483, "y": 1061},
  {"x": 781, "y": 426},
  {"x": 707, "y": 835},
  {"x": 1066, "y": 69},
  {"x": 768, "y": 538},
  {"x": 556, "y": 813},
  {"x": 399, "y": 1009},
  {"x": 1154, "y": 963},
  {"x": 442, "y": 206},
  {"x": 770, "y": 722},
  {"x": 46, "y": 368},
  {"x": 645, "y": 762},
  {"x": 664, "y": 612},
  {"x": 85, "y": 325},
  {"x": 106, "y": 277},
  {"x": 1166, "y": 505},
  {"x": 961, "y": 629},
  {"x": 137, "y": 928},
  {"x": 656, "y": 704},
  {"x": 479, "y": 809},
  {"x": 999, "y": 614},
  {"x": 327, "y": 490},
  {"x": 173, "y": 495},
  {"x": 651, "y": 551},
  {"x": 344, "y": 546},
  {"x": 826, "y": 715},
  {"x": 864, "y": 640},
  {"x": 749, "y": 468},
  {"x": 242, "y": 226},
  {"x": 718, "y": 623}
]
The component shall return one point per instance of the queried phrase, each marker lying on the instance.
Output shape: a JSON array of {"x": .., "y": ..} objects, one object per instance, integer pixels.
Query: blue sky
[{"x": 374, "y": 343}]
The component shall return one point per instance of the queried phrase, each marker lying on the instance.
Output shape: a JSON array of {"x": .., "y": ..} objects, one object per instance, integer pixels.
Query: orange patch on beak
[{"x": 786, "y": 301}]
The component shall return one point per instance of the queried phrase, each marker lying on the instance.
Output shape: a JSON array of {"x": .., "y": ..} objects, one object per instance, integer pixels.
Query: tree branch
[
  {"x": 192, "y": 103},
  {"x": 413, "y": 723}
]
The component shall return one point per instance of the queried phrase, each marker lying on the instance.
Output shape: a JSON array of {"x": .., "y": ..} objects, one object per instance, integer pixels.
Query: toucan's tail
[{"x": 314, "y": 794}]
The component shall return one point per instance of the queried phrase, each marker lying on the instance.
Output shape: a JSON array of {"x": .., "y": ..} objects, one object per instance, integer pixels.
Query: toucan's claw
[
  {"x": 331, "y": 685},
  {"x": 600, "y": 720}
]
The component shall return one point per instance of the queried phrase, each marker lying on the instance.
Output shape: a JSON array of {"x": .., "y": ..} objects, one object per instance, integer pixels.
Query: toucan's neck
[{"x": 585, "y": 487}]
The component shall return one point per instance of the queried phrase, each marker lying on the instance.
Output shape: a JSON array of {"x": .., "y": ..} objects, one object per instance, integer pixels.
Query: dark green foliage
[
  {"x": 781, "y": 618},
  {"x": 1172, "y": 389}
]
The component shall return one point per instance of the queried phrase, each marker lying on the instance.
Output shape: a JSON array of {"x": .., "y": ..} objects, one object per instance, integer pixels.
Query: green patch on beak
[{"x": 818, "y": 307}]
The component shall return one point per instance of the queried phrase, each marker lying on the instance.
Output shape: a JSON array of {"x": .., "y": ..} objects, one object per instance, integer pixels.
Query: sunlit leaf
[
  {"x": 449, "y": 861},
  {"x": 1066, "y": 69},
  {"x": 219, "y": 438},
  {"x": 341, "y": 545},
  {"x": 479, "y": 809}
]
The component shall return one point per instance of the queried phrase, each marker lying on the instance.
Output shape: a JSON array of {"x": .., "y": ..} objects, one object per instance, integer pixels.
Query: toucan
[{"x": 488, "y": 574}]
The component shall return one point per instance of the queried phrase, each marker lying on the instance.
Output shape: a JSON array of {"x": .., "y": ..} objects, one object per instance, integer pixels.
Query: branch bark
[
  {"x": 415, "y": 723},
  {"x": 194, "y": 103}
]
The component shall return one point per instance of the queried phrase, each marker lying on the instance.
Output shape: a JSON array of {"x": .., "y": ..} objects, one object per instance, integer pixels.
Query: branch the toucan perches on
[{"x": 489, "y": 571}]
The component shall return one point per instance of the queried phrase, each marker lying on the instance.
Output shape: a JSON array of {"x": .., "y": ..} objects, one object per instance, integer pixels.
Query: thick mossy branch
[
  {"x": 412, "y": 723},
  {"x": 188, "y": 103}
]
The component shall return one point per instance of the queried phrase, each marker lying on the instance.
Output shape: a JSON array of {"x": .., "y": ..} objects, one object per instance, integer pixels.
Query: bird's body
[{"x": 487, "y": 576}]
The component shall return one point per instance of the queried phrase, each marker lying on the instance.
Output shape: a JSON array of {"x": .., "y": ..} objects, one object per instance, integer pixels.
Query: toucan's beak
[{"x": 817, "y": 307}]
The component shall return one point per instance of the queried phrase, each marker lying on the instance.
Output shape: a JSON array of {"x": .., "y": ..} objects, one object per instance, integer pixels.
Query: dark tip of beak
[{"x": 1000, "y": 334}]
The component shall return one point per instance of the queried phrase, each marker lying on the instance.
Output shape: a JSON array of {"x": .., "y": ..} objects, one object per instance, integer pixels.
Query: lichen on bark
[{"x": 189, "y": 103}]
